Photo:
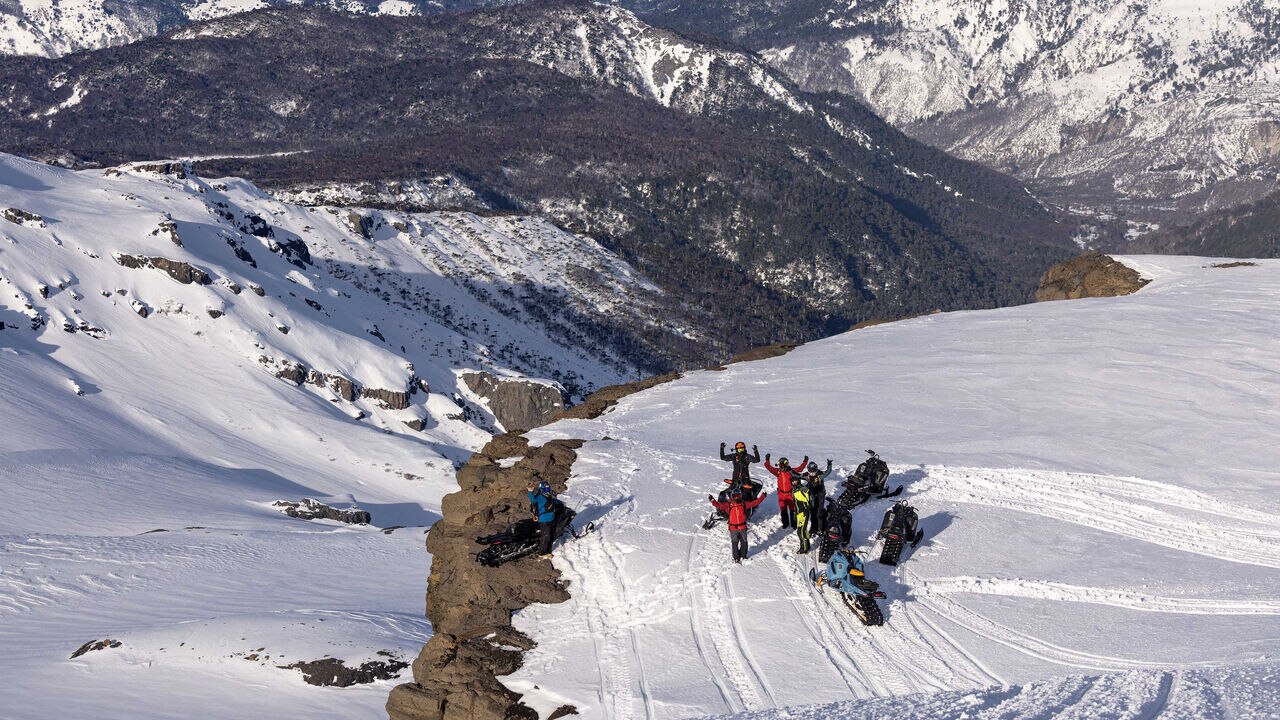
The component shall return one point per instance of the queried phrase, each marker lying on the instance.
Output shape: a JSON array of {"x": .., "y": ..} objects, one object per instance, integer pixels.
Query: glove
[
  {"x": 828, "y": 463},
  {"x": 722, "y": 447},
  {"x": 766, "y": 457},
  {"x": 755, "y": 449},
  {"x": 712, "y": 499}
]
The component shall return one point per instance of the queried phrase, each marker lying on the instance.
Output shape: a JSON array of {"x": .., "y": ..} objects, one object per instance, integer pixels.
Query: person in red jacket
[
  {"x": 737, "y": 507},
  {"x": 786, "y": 501}
]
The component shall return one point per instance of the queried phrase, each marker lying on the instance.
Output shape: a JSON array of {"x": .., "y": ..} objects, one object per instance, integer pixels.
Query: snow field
[
  {"x": 1096, "y": 484},
  {"x": 140, "y": 457}
]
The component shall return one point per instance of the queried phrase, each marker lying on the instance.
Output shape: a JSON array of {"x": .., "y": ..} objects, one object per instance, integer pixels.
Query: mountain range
[{"x": 775, "y": 214}]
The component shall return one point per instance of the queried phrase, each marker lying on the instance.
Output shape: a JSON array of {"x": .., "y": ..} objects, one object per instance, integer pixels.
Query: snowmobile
[
  {"x": 899, "y": 527},
  {"x": 521, "y": 538},
  {"x": 867, "y": 482},
  {"x": 862, "y": 603},
  {"x": 750, "y": 491},
  {"x": 837, "y": 533}
]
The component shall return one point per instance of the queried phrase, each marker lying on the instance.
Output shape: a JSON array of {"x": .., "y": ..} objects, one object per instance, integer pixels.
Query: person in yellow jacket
[{"x": 804, "y": 507}]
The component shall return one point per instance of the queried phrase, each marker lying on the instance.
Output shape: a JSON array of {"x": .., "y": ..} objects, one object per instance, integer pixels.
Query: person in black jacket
[{"x": 741, "y": 461}]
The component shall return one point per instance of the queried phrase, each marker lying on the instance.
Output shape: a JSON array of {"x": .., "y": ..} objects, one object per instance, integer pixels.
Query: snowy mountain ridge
[
  {"x": 1165, "y": 108},
  {"x": 57, "y": 27}
]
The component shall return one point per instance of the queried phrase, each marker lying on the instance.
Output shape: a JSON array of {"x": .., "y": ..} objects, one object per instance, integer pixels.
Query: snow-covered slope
[
  {"x": 1096, "y": 480},
  {"x": 1159, "y": 106},
  {"x": 57, "y": 27},
  {"x": 191, "y": 422}
]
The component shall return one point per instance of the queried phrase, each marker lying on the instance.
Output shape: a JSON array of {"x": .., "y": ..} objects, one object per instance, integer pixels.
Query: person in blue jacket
[{"x": 544, "y": 506}]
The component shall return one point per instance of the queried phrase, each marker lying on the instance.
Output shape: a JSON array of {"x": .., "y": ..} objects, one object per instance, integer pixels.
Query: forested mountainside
[{"x": 774, "y": 213}]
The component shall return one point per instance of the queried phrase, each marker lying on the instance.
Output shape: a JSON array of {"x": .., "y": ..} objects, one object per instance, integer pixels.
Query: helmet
[
  {"x": 544, "y": 488},
  {"x": 783, "y": 462},
  {"x": 740, "y": 447},
  {"x": 813, "y": 467},
  {"x": 799, "y": 481},
  {"x": 736, "y": 494}
]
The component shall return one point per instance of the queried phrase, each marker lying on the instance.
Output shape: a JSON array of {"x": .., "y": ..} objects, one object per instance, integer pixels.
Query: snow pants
[
  {"x": 738, "y": 544},
  {"x": 546, "y": 534},
  {"x": 802, "y": 530},
  {"x": 787, "y": 509}
]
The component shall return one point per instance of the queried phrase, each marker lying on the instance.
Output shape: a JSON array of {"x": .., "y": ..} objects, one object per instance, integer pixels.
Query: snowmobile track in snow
[{"x": 1130, "y": 507}]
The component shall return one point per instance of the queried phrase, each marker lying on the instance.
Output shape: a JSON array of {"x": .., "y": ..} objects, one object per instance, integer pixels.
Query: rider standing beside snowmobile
[
  {"x": 800, "y": 491},
  {"x": 786, "y": 501},
  {"x": 543, "y": 504},
  {"x": 737, "y": 508},
  {"x": 816, "y": 480},
  {"x": 741, "y": 461}
]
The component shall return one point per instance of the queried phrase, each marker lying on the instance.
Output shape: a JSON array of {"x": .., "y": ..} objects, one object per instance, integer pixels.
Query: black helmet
[
  {"x": 813, "y": 467},
  {"x": 736, "y": 493},
  {"x": 783, "y": 462}
]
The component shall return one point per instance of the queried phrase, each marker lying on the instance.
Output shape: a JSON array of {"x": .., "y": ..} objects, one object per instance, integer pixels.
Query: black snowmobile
[
  {"x": 521, "y": 538},
  {"x": 750, "y": 491},
  {"x": 838, "y": 531},
  {"x": 899, "y": 527},
  {"x": 869, "y": 481}
]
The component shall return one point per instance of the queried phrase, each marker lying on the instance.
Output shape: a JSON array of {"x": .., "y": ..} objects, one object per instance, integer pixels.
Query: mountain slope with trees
[{"x": 776, "y": 214}]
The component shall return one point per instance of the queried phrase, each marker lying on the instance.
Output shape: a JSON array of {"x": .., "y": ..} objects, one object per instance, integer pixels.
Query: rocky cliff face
[
  {"x": 470, "y": 606},
  {"x": 517, "y": 404}
]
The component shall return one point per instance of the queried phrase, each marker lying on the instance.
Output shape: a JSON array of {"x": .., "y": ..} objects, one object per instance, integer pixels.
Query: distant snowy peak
[
  {"x": 1163, "y": 105},
  {"x": 56, "y": 27}
]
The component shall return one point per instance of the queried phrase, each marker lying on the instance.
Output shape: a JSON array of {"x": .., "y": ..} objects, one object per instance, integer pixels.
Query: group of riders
[{"x": 803, "y": 506}]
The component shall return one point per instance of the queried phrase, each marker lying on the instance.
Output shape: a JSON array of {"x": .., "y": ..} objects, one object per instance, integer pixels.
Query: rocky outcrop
[
  {"x": 341, "y": 386},
  {"x": 517, "y": 404},
  {"x": 95, "y": 645},
  {"x": 390, "y": 399},
  {"x": 309, "y": 509},
  {"x": 22, "y": 217},
  {"x": 470, "y": 606},
  {"x": 168, "y": 229},
  {"x": 1089, "y": 275},
  {"x": 332, "y": 672},
  {"x": 184, "y": 273}
]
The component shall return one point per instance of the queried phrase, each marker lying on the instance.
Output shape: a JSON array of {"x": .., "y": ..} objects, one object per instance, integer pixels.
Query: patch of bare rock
[
  {"x": 310, "y": 509},
  {"x": 332, "y": 672},
  {"x": 93, "y": 645},
  {"x": 1089, "y": 275}
]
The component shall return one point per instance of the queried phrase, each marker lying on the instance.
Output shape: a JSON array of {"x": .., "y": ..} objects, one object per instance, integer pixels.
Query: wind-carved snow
[{"x": 1095, "y": 482}]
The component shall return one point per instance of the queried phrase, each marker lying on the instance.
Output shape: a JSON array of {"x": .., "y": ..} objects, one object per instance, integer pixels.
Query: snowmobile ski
[
  {"x": 712, "y": 520},
  {"x": 890, "y": 493},
  {"x": 919, "y": 536},
  {"x": 579, "y": 534}
]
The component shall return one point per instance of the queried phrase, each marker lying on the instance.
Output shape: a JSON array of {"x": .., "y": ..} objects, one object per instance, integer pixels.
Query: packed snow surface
[{"x": 1096, "y": 480}]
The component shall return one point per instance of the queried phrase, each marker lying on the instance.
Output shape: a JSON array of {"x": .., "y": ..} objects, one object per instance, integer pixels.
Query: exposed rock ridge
[{"x": 470, "y": 606}]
